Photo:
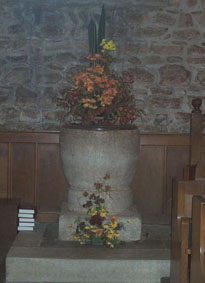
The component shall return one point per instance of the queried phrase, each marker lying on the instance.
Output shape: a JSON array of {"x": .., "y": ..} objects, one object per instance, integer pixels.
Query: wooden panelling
[
  {"x": 30, "y": 168},
  {"x": 29, "y": 137},
  {"x": 149, "y": 182},
  {"x": 203, "y": 154},
  {"x": 162, "y": 159},
  {"x": 50, "y": 176},
  {"x": 177, "y": 159},
  {"x": 3, "y": 170},
  {"x": 23, "y": 175}
]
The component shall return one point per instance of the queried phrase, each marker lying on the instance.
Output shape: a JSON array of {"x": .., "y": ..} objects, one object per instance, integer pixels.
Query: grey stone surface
[
  {"x": 42, "y": 42},
  {"x": 94, "y": 154},
  {"x": 89, "y": 270},
  {"x": 55, "y": 261}
]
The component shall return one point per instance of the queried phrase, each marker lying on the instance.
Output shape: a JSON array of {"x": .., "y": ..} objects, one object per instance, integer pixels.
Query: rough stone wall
[{"x": 43, "y": 42}]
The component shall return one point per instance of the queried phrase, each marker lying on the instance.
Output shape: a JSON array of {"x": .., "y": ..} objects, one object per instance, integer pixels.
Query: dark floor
[
  {"x": 153, "y": 237},
  {"x": 3, "y": 252}
]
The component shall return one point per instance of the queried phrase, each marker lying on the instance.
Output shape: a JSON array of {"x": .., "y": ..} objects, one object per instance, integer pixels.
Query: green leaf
[
  {"x": 97, "y": 239},
  {"x": 101, "y": 29},
  {"x": 92, "y": 35},
  {"x": 78, "y": 220}
]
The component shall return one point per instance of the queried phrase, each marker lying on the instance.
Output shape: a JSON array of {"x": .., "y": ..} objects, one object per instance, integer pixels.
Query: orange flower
[
  {"x": 99, "y": 232},
  {"x": 99, "y": 69},
  {"x": 108, "y": 96},
  {"x": 88, "y": 83},
  {"x": 113, "y": 218},
  {"x": 88, "y": 103},
  {"x": 98, "y": 56},
  {"x": 98, "y": 80},
  {"x": 90, "y": 57},
  {"x": 90, "y": 88},
  {"x": 114, "y": 221}
]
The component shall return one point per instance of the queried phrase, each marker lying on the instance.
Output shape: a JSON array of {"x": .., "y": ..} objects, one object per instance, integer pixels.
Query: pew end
[{"x": 198, "y": 240}]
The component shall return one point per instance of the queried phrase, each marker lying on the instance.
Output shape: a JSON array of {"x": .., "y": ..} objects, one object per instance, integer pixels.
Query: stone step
[{"x": 29, "y": 260}]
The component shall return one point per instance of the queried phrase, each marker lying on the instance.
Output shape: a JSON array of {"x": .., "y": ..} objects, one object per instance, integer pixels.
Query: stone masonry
[{"x": 43, "y": 43}]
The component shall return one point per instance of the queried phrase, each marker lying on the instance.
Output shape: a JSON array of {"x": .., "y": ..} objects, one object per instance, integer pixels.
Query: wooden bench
[
  {"x": 8, "y": 220},
  {"x": 197, "y": 274},
  {"x": 196, "y": 168},
  {"x": 183, "y": 192}
]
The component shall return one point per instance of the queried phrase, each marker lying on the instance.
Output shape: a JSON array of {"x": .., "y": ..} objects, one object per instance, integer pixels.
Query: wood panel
[
  {"x": 177, "y": 159},
  {"x": 198, "y": 241},
  {"x": 23, "y": 175},
  {"x": 29, "y": 137},
  {"x": 50, "y": 176},
  {"x": 148, "y": 183},
  {"x": 3, "y": 170},
  {"x": 30, "y": 168},
  {"x": 155, "y": 204}
]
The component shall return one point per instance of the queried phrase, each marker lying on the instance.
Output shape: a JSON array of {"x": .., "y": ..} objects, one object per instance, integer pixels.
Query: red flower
[{"x": 96, "y": 219}]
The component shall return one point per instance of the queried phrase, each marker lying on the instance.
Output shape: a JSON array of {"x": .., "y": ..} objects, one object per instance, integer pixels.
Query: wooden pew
[
  {"x": 198, "y": 241},
  {"x": 183, "y": 191},
  {"x": 196, "y": 168}
]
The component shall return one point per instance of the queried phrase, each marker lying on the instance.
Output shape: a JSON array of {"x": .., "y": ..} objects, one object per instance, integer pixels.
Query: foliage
[
  {"x": 96, "y": 227},
  {"x": 94, "y": 38},
  {"x": 98, "y": 95}
]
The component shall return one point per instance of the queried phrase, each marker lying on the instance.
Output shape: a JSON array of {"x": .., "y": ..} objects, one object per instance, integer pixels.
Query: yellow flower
[
  {"x": 107, "y": 45},
  {"x": 76, "y": 238},
  {"x": 103, "y": 42},
  {"x": 106, "y": 226},
  {"x": 114, "y": 221},
  {"x": 129, "y": 220},
  {"x": 82, "y": 243},
  {"x": 86, "y": 236},
  {"x": 93, "y": 212},
  {"x": 110, "y": 244},
  {"x": 110, "y": 234},
  {"x": 87, "y": 227},
  {"x": 114, "y": 224},
  {"x": 103, "y": 212}
]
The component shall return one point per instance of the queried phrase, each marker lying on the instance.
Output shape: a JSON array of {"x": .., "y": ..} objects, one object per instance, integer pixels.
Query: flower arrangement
[
  {"x": 96, "y": 228},
  {"x": 98, "y": 95}
]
